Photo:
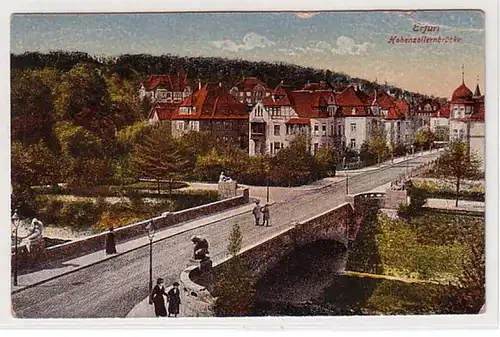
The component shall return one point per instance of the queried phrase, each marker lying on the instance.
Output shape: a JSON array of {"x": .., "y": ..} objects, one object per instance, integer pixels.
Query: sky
[{"x": 355, "y": 43}]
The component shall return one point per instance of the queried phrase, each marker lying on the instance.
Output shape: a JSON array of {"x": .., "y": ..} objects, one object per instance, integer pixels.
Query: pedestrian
[
  {"x": 265, "y": 215},
  {"x": 157, "y": 299},
  {"x": 174, "y": 300},
  {"x": 256, "y": 213},
  {"x": 110, "y": 242}
]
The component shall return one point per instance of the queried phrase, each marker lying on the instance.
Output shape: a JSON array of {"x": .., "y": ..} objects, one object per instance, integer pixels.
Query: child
[{"x": 265, "y": 213}]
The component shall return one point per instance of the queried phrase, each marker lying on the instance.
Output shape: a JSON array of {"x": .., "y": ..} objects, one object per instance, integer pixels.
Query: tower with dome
[{"x": 467, "y": 118}]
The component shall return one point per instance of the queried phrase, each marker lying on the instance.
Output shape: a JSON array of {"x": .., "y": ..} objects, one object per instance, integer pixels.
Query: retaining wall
[{"x": 96, "y": 242}]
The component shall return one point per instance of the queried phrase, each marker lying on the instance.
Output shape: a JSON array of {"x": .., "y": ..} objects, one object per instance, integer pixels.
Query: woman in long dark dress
[
  {"x": 174, "y": 300},
  {"x": 110, "y": 242},
  {"x": 158, "y": 300}
]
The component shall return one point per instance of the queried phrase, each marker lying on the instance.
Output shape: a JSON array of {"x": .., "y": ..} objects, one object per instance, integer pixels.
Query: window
[
  {"x": 316, "y": 129},
  {"x": 353, "y": 127},
  {"x": 241, "y": 94},
  {"x": 323, "y": 129},
  {"x": 277, "y": 147},
  {"x": 249, "y": 93},
  {"x": 177, "y": 96},
  {"x": 180, "y": 125},
  {"x": 353, "y": 143},
  {"x": 276, "y": 130},
  {"x": 333, "y": 129},
  {"x": 339, "y": 130},
  {"x": 258, "y": 111},
  {"x": 468, "y": 109}
]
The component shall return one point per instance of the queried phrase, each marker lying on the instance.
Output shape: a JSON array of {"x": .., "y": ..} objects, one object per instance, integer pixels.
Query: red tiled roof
[
  {"x": 212, "y": 102},
  {"x": 444, "y": 112},
  {"x": 249, "y": 84},
  {"x": 301, "y": 121},
  {"x": 308, "y": 104},
  {"x": 347, "y": 100},
  {"x": 461, "y": 94},
  {"x": 164, "y": 111},
  {"x": 171, "y": 82},
  {"x": 283, "y": 94}
]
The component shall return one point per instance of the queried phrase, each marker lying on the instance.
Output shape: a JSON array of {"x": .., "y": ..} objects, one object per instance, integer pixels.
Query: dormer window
[{"x": 353, "y": 111}]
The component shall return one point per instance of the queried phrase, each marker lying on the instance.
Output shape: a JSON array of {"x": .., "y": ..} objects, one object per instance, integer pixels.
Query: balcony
[{"x": 257, "y": 129}]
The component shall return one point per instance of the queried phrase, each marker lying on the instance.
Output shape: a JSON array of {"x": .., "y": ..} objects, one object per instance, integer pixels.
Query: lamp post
[
  {"x": 346, "y": 177},
  {"x": 267, "y": 185},
  {"x": 151, "y": 234},
  {"x": 15, "y": 222}
]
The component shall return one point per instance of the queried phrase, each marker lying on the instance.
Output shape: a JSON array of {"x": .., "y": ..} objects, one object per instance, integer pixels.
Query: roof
[
  {"x": 307, "y": 104},
  {"x": 164, "y": 111},
  {"x": 299, "y": 121},
  {"x": 249, "y": 84},
  {"x": 461, "y": 94},
  {"x": 212, "y": 102},
  {"x": 444, "y": 112},
  {"x": 349, "y": 101},
  {"x": 477, "y": 92},
  {"x": 172, "y": 82},
  {"x": 280, "y": 96}
]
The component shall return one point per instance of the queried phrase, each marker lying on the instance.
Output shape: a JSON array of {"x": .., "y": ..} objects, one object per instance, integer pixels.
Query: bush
[{"x": 79, "y": 215}]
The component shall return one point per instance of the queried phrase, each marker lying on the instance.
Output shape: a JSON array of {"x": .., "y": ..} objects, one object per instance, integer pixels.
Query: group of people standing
[
  {"x": 261, "y": 213},
  {"x": 158, "y": 296}
]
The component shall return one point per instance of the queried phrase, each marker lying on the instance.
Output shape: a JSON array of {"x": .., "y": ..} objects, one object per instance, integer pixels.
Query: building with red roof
[
  {"x": 169, "y": 88},
  {"x": 467, "y": 118},
  {"x": 277, "y": 119},
  {"x": 214, "y": 110},
  {"x": 249, "y": 91},
  {"x": 166, "y": 92}
]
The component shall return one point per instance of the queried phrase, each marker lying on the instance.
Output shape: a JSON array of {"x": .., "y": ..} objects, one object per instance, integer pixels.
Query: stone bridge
[{"x": 340, "y": 224}]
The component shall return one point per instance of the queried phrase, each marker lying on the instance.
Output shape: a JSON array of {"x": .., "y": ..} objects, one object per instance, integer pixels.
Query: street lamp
[
  {"x": 346, "y": 177},
  {"x": 15, "y": 222},
  {"x": 267, "y": 184},
  {"x": 151, "y": 234}
]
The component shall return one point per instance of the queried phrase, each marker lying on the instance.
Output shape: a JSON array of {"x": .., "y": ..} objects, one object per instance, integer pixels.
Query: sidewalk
[
  {"x": 463, "y": 205},
  {"x": 387, "y": 163},
  {"x": 69, "y": 266}
]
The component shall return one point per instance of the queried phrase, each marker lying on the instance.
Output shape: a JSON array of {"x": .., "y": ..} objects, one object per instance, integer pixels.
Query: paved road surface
[{"x": 113, "y": 287}]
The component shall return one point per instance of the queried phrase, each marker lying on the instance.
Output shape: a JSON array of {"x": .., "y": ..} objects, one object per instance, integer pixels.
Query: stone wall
[
  {"x": 259, "y": 258},
  {"x": 97, "y": 242},
  {"x": 227, "y": 189}
]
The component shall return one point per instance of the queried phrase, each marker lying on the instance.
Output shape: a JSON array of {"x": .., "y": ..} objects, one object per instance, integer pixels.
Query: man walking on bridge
[{"x": 257, "y": 213}]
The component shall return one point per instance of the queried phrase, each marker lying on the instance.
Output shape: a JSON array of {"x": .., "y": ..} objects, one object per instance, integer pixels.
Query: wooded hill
[{"x": 228, "y": 71}]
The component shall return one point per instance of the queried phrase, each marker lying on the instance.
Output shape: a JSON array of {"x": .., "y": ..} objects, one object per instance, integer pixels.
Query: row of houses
[{"x": 263, "y": 120}]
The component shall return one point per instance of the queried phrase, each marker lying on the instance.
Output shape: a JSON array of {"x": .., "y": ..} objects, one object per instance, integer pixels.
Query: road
[{"x": 113, "y": 287}]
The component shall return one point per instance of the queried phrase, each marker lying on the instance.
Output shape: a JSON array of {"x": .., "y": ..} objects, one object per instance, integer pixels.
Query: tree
[
  {"x": 326, "y": 161},
  {"x": 30, "y": 166},
  {"x": 377, "y": 142},
  {"x": 31, "y": 109},
  {"x": 293, "y": 165},
  {"x": 85, "y": 157},
  {"x": 442, "y": 133},
  {"x": 234, "y": 290},
  {"x": 158, "y": 156},
  {"x": 83, "y": 99},
  {"x": 457, "y": 163},
  {"x": 468, "y": 296}
]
